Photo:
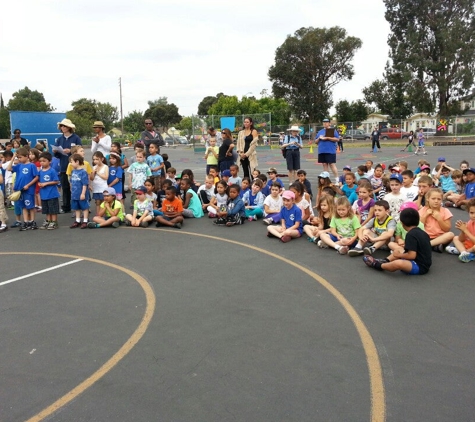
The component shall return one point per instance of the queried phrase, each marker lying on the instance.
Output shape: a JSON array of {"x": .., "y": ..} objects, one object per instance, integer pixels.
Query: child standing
[
  {"x": 291, "y": 220},
  {"x": 143, "y": 209},
  {"x": 416, "y": 258},
  {"x": 3, "y": 213},
  {"x": 254, "y": 201},
  {"x": 395, "y": 198},
  {"x": 139, "y": 172},
  {"x": 235, "y": 209},
  {"x": 420, "y": 143},
  {"x": 321, "y": 223},
  {"x": 212, "y": 154},
  {"x": 110, "y": 212},
  {"x": 436, "y": 220},
  {"x": 26, "y": 176},
  {"x": 465, "y": 241},
  {"x": 156, "y": 164},
  {"x": 172, "y": 210},
  {"x": 99, "y": 177},
  {"x": 49, "y": 193},
  {"x": 343, "y": 228},
  {"x": 79, "y": 182},
  {"x": 34, "y": 156},
  {"x": 191, "y": 201}
]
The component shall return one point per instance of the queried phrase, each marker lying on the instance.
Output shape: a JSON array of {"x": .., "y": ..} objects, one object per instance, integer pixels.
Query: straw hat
[
  {"x": 98, "y": 124},
  {"x": 293, "y": 127},
  {"x": 68, "y": 123}
]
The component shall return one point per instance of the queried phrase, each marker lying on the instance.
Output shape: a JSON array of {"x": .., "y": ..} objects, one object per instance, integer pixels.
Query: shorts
[
  {"x": 77, "y": 205},
  {"x": 335, "y": 239},
  {"x": 50, "y": 206},
  {"x": 327, "y": 158},
  {"x": 415, "y": 269},
  {"x": 421, "y": 143},
  {"x": 98, "y": 196},
  {"x": 27, "y": 201},
  {"x": 468, "y": 244},
  {"x": 293, "y": 159},
  {"x": 118, "y": 196}
]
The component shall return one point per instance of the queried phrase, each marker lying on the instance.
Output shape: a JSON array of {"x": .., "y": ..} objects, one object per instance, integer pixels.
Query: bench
[{"x": 448, "y": 143}]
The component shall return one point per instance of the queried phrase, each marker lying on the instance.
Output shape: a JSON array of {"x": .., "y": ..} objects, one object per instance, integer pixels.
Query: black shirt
[
  {"x": 223, "y": 149},
  {"x": 418, "y": 241}
]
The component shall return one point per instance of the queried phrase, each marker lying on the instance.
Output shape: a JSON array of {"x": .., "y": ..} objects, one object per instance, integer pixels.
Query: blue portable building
[{"x": 37, "y": 125}]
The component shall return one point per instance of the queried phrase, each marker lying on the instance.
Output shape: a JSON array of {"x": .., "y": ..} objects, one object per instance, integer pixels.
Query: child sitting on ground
[
  {"x": 425, "y": 183},
  {"x": 465, "y": 241},
  {"x": 273, "y": 205},
  {"x": 364, "y": 206},
  {"x": 234, "y": 213},
  {"x": 254, "y": 201},
  {"x": 302, "y": 176},
  {"x": 191, "y": 201},
  {"x": 395, "y": 198},
  {"x": 452, "y": 196},
  {"x": 217, "y": 205},
  {"x": 272, "y": 173},
  {"x": 291, "y": 220},
  {"x": 377, "y": 231},
  {"x": 416, "y": 258},
  {"x": 172, "y": 210},
  {"x": 400, "y": 233},
  {"x": 377, "y": 184},
  {"x": 234, "y": 179},
  {"x": 299, "y": 191},
  {"x": 143, "y": 209},
  {"x": 349, "y": 188},
  {"x": 321, "y": 223},
  {"x": 408, "y": 189},
  {"x": 206, "y": 192},
  {"x": 246, "y": 186},
  {"x": 110, "y": 213}
]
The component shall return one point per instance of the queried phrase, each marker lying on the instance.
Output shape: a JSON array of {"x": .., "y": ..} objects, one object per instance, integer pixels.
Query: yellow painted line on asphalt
[
  {"x": 378, "y": 400},
  {"x": 120, "y": 354}
]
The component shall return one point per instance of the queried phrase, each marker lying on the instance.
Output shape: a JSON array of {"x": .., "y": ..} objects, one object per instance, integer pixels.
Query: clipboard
[{"x": 329, "y": 133}]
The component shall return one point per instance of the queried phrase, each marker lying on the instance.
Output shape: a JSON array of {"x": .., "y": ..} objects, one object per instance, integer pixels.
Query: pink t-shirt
[{"x": 431, "y": 225}]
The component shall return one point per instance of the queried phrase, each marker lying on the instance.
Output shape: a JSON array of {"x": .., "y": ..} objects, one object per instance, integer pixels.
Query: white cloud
[{"x": 184, "y": 50}]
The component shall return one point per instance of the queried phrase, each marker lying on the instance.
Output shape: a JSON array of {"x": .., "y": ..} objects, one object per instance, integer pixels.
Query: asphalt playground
[{"x": 213, "y": 323}]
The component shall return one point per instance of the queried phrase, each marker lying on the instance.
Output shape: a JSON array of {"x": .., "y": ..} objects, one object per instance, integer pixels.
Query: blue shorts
[
  {"x": 421, "y": 143},
  {"x": 98, "y": 196},
  {"x": 79, "y": 205},
  {"x": 335, "y": 239},
  {"x": 415, "y": 269},
  {"x": 27, "y": 201},
  {"x": 327, "y": 158}
]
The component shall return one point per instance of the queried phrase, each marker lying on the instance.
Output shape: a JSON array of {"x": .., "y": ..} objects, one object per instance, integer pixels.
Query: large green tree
[
  {"x": 432, "y": 45},
  {"x": 27, "y": 100},
  {"x": 308, "y": 65},
  {"x": 207, "y": 102},
  {"x": 134, "y": 122},
  {"x": 85, "y": 111},
  {"x": 162, "y": 113},
  {"x": 356, "y": 111}
]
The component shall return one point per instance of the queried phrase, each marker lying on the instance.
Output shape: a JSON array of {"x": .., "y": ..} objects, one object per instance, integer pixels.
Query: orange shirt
[
  {"x": 431, "y": 225},
  {"x": 172, "y": 206}
]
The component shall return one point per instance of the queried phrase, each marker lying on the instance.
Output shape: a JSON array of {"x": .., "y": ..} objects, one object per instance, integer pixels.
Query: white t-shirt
[
  {"x": 303, "y": 205},
  {"x": 209, "y": 192},
  {"x": 221, "y": 201},
  {"x": 99, "y": 185},
  {"x": 273, "y": 204},
  {"x": 395, "y": 202},
  {"x": 8, "y": 174},
  {"x": 410, "y": 193},
  {"x": 104, "y": 145}
]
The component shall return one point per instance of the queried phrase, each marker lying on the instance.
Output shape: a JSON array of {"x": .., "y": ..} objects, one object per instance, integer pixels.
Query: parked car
[
  {"x": 181, "y": 140},
  {"x": 428, "y": 131},
  {"x": 393, "y": 133},
  {"x": 356, "y": 134}
]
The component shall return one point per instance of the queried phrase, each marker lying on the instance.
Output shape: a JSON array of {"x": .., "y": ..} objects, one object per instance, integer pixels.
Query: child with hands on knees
[
  {"x": 343, "y": 228},
  {"x": 291, "y": 220},
  {"x": 143, "y": 209},
  {"x": 110, "y": 214},
  {"x": 273, "y": 205},
  {"x": 321, "y": 223}
]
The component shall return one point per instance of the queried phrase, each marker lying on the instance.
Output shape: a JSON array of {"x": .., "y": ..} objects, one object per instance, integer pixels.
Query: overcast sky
[{"x": 180, "y": 49}]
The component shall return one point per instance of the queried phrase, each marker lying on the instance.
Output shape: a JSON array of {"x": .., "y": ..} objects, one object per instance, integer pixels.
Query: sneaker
[
  {"x": 23, "y": 227},
  {"x": 84, "y": 225},
  {"x": 312, "y": 239},
  {"x": 74, "y": 225},
  {"x": 91, "y": 225},
  {"x": 177, "y": 225},
  {"x": 285, "y": 239},
  {"x": 144, "y": 224},
  {"x": 33, "y": 225},
  {"x": 425, "y": 153},
  {"x": 355, "y": 252},
  {"x": 369, "y": 250},
  {"x": 211, "y": 215},
  {"x": 438, "y": 248},
  {"x": 268, "y": 221},
  {"x": 52, "y": 226},
  {"x": 220, "y": 222},
  {"x": 467, "y": 256},
  {"x": 115, "y": 224},
  {"x": 452, "y": 250},
  {"x": 3, "y": 228},
  {"x": 45, "y": 225},
  {"x": 16, "y": 224},
  {"x": 322, "y": 245},
  {"x": 128, "y": 223},
  {"x": 343, "y": 250},
  {"x": 372, "y": 262},
  {"x": 250, "y": 219}
]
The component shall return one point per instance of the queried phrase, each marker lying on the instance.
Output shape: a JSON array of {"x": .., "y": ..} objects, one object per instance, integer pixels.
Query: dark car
[{"x": 356, "y": 134}]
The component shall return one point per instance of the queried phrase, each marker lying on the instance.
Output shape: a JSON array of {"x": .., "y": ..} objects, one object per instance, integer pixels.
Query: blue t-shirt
[
  {"x": 66, "y": 143},
  {"x": 153, "y": 162},
  {"x": 243, "y": 191},
  {"x": 326, "y": 147},
  {"x": 50, "y": 191},
  {"x": 270, "y": 183},
  {"x": 79, "y": 178},
  {"x": 25, "y": 173},
  {"x": 447, "y": 183},
  {"x": 348, "y": 191},
  {"x": 470, "y": 190},
  {"x": 291, "y": 216},
  {"x": 114, "y": 173},
  {"x": 256, "y": 201}
]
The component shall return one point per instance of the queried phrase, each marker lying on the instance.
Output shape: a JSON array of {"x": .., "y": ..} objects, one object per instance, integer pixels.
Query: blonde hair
[
  {"x": 331, "y": 205},
  {"x": 343, "y": 201}
]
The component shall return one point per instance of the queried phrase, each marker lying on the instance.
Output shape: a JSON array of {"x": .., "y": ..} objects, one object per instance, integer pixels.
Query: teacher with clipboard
[{"x": 326, "y": 140}]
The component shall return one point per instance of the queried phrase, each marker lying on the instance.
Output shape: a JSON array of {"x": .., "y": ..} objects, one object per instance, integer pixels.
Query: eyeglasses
[{"x": 148, "y": 123}]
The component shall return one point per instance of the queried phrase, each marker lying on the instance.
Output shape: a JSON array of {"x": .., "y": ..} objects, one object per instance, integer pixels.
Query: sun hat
[
  {"x": 324, "y": 175},
  {"x": 66, "y": 122},
  {"x": 109, "y": 191},
  {"x": 272, "y": 170},
  {"x": 141, "y": 189},
  {"x": 288, "y": 194},
  {"x": 293, "y": 128},
  {"x": 407, "y": 205},
  {"x": 99, "y": 124},
  {"x": 396, "y": 176},
  {"x": 471, "y": 170}
]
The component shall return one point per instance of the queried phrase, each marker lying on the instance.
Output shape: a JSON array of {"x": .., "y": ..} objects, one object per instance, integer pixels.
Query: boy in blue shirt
[
  {"x": 291, "y": 220},
  {"x": 25, "y": 181},
  {"x": 156, "y": 164},
  {"x": 49, "y": 193},
  {"x": 79, "y": 191},
  {"x": 272, "y": 173}
]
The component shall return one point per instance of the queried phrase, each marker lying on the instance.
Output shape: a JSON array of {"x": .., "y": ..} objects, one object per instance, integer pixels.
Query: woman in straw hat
[
  {"x": 101, "y": 142},
  {"x": 246, "y": 148},
  {"x": 66, "y": 141},
  {"x": 292, "y": 144}
]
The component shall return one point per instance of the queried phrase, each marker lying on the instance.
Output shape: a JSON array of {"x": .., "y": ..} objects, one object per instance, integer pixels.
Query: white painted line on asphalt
[{"x": 40, "y": 272}]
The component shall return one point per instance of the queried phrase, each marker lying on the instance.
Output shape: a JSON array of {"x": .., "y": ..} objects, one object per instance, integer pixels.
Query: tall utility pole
[{"x": 121, "y": 111}]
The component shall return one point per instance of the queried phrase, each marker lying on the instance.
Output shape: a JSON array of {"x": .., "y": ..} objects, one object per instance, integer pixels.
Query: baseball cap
[
  {"x": 272, "y": 170},
  {"x": 441, "y": 159},
  {"x": 396, "y": 176},
  {"x": 109, "y": 191},
  {"x": 288, "y": 194},
  {"x": 141, "y": 189},
  {"x": 325, "y": 120},
  {"x": 324, "y": 174},
  {"x": 425, "y": 167},
  {"x": 226, "y": 173},
  {"x": 471, "y": 170},
  {"x": 407, "y": 205},
  {"x": 347, "y": 168}
]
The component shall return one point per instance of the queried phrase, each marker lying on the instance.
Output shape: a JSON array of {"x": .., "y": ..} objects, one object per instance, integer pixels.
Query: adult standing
[
  {"x": 225, "y": 156},
  {"x": 291, "y": 145},
  {"x": 66, "y": 141},
  {"x": 327, "y": 148},
  {"x": 375, "y": 135},
  {"x": 101, "y": 142},
  {"x": 17, "y": 136},
  {"x": 149, "y": 135},
  {"x": 246, "y": 147},
  {"x": 214, "y": 134}
]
